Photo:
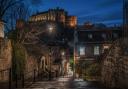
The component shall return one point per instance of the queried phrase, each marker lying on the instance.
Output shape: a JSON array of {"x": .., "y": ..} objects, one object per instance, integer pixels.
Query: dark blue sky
[{"x": 96, "y": 11}]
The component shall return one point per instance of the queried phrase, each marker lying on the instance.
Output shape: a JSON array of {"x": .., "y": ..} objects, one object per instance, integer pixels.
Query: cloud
[
  {"x": 105, "y": 17},
  {"x": 112, "y": 22}
]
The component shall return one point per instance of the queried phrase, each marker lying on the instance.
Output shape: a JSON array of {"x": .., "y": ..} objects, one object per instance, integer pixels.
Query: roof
[{"x": 98, "y": 36}]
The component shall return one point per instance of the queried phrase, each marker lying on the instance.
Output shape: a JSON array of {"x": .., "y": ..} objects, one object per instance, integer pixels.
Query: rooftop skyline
[{"x": 109, "y": 12}]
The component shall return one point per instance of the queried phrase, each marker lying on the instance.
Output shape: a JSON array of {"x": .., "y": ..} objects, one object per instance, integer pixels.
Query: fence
[
  {"x": 24, "y": 80},
  {"x": 5, "y": 79}
]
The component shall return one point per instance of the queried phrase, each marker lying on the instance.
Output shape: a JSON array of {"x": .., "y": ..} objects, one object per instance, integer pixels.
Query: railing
[
  {"x": 20, "y": 81},
  {"x": 26, "y": 79},
  {"x": 5, "y": 79}
]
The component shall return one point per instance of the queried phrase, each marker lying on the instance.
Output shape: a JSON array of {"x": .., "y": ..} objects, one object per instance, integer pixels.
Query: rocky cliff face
[
  {"x": 5, "y": 57},
  {"x": 115, "y": 65}
]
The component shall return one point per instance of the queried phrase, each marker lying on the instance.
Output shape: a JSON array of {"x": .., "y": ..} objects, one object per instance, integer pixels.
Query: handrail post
[
  {"x": 16, "y": 82},
  {"x": 23, "y": 80},
  {"x": 34, "y": 75},
  {"x": 10, "y": 78}
]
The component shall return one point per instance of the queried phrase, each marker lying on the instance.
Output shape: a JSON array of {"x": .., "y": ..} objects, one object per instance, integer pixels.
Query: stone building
[
  {"x": 91, "y": 43},
  {"x": 55, "y": 15},
  {"x": 95, "y": 41},
  {"x": 71, "y": 21}
]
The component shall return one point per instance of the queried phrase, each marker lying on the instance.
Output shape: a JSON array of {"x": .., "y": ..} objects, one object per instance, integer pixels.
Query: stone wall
[
  {"x": 115, "y": 65},
  {"x": 31, "y": 65},
  {"x": 5, "y": 58}
]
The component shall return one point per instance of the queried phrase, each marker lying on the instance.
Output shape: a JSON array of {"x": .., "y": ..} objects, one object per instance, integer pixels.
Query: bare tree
[
  {"x": 21, "y": 11},
  {"x": 5, "y": 5}
]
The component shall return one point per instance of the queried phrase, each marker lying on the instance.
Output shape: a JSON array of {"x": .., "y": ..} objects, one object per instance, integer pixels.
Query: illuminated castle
[{"x": 55, "y": 15}]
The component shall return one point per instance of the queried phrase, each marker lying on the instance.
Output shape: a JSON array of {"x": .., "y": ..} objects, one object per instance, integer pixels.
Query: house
[{"x": 95, "y": 41}]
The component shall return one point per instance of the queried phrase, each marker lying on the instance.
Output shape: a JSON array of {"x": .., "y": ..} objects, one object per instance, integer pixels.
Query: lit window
[
  {"x": 106, "y": 47},
  {"x": 96, "y": 50},
  {"x": 90, "y": 36},
  {"x": 82, "y": 50}
]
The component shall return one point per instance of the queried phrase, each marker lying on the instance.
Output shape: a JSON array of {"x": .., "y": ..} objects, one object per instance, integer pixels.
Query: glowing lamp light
[
  {"x": 50, "y": 29},
  {"x": 63, "y": 53}
]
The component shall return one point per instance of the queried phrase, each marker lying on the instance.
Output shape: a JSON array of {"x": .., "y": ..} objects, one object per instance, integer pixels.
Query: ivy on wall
[{"x": 19, "y": 57}]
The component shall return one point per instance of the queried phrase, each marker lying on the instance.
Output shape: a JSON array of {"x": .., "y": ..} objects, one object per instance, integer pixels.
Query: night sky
[{"x": 108, "y": 12}]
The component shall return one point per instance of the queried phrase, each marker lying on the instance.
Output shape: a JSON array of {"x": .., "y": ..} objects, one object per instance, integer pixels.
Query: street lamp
[
  {"x": 63, "y": 62},
  {"x": 51, "y": 28}
]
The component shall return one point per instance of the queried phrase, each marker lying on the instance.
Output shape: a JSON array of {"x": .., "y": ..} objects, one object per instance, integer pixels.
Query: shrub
[
  {"x": 93, "y": 70},
  {"x": 18, "y": 59}
]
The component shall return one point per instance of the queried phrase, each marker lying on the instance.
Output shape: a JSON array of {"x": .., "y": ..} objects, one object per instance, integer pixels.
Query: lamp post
[
  {"x": 63, "y": 63},
  {"x": 74, "y": 54},
  {"x": 50, "y": 29}
]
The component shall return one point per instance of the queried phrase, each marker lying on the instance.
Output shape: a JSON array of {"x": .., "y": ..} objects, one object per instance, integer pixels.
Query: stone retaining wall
[
  {"x": 5, "y": 58},
  {"x": 115, "y": 66}
]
